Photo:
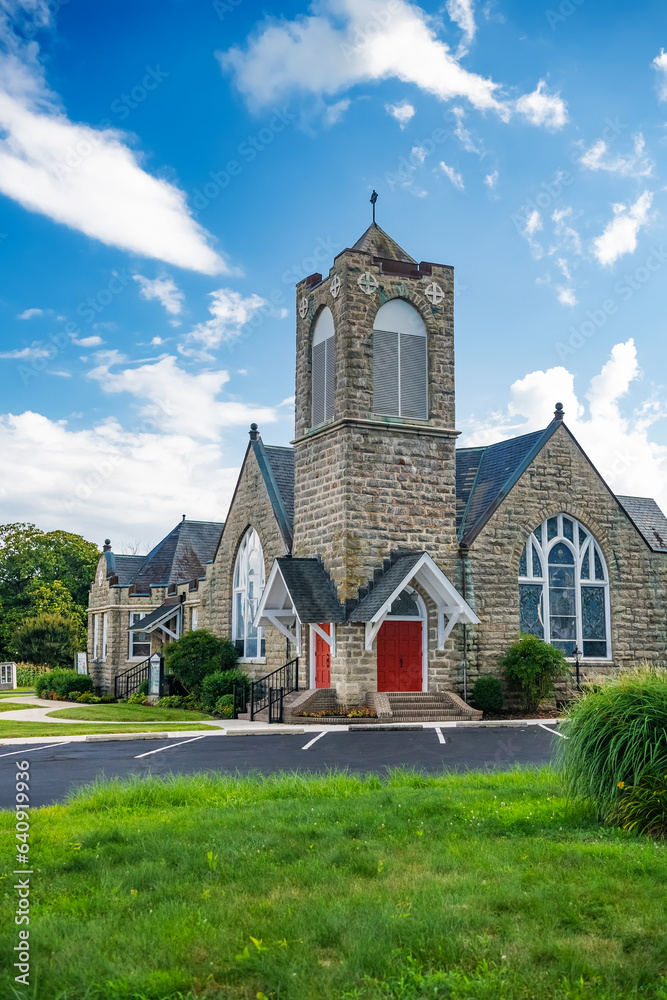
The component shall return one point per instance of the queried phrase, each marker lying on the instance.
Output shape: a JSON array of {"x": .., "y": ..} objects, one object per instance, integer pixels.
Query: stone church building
[{"x": 375, "y": 551}]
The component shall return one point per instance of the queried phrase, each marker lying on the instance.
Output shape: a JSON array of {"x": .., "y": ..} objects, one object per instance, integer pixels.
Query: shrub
[
  {"x": 617, "y": 737},
  {"x": 225, "y": 706},
  {"x": 66, "y": 684},
  {"x": 487, "y": 694},
  {"x": 137, "y": 698},
  {"x": 27, "y": 673},
  {"x": 642, "y": 807},
  {"x": 531, "y": 666},
  {"x": 89, "y": 699},
  {"x": 143, "y": 688},
  {"x": 214, "y": 686},
  {"x": 107, "y": 699},
  {"x": 171, "y": 701},
  {"x": 197, "y": 654},
  {"x": 48, "y": 637}
]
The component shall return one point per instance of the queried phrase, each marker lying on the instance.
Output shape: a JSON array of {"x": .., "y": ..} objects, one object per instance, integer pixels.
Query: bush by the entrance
[
  {"x": 63, "y": 683},
  {"x": 215, "y": 686},
  {"x": 197, "y": 654},
  {"x": 487, "y": 694},
  {"x": 225, "y": 706},
  {"x": 616, "y": 752},
  {"x": 531, "y": 666}
]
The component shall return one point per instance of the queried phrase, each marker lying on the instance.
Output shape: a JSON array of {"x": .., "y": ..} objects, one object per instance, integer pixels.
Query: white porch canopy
[
  {"x": 277, "y": 608},
  {"x": 158, "y": 618},
  {"x": 450, "y": 605}
]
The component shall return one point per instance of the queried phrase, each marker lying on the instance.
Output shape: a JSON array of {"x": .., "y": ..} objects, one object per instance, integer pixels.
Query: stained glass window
[
  {"x": 248, "y": 587},
  {"x": 569, "y": 605}
]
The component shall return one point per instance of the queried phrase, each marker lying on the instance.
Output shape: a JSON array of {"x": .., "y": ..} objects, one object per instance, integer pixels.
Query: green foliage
[
  {"x": 222, "y": 682},
  {"x": 89, "y": 699},
  {"x": 171, "y": 701},
  {"x": 224, "y": 706},
  {"x": 143, "y": 687},
  {"x": 138, "y": 698},
  {"x": 27, "y": 673},
  {"x": 63, "y": 683},
  {"x": 31, "y": 563},
  {"x": 617, "y": 734},
  {"x": 531, "y": 666},
  {"x": 47, "y": 638},
  {"x": 487, "y": 694},
  {"x": 642, "y": 807},
  {"x": 197, "y": 654}
]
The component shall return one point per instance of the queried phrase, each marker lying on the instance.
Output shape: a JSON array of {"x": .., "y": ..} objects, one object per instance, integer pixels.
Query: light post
[{"x": 577, "y": 654}]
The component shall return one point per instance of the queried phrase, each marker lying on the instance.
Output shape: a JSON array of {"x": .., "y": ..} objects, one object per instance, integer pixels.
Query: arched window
[
  {"x": 324, "y": 367},
  {"x": 399, "y": 362},
  {"x": 248, "y": 587},
  {"x": 564, "y": 589}
]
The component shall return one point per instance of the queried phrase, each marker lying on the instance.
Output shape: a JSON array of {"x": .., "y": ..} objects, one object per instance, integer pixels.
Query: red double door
[
  {"x": 399, "y": 656},
  {"x": 322, "y": 659}
]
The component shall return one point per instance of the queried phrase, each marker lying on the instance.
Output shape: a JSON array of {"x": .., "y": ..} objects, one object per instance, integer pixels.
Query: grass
[
  {"x": 16, "y": 692},
  {"x": 465, "y": 887},
  {"x": 13, "y": 706},
  {"x": 128, "y": 713},
  {"x": 15, "y": 729}
]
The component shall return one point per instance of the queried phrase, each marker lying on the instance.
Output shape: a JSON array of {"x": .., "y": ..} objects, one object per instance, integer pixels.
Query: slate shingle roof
[
  {"x": 281, "y": 461},
  {"x": 649, "y": 520},
  {"x": 311, "y": 590},
  {"x": 179, "y": 557},
  {"x": 384, "y": 587},
  {"x": 485, "y": 475},
  {"x": 169, "y": 608},
  {"x": 126, "y": 567},
  {"x": 380, "y": 244}
]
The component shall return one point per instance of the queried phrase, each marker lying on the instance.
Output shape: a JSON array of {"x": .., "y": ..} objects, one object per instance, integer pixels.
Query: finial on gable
[
  {"x": 107, "y": 545},
  {"x": 558, "y": 412},
  {"x": 254, "y": 432}
]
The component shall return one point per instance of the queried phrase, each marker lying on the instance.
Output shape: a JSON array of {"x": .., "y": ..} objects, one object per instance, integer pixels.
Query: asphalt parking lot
[{"x": 56, "y": 769}]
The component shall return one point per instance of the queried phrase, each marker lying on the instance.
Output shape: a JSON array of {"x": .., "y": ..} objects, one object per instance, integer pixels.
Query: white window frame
[
  {"x": 544, "y": 545},
  {"x": 105, "y": 636},
  {"x": 194, "y": 620},
  {"x": 96, "y": 636},
  {"x": 136, "y": 616},
  {"x": 249, "y": 543}
]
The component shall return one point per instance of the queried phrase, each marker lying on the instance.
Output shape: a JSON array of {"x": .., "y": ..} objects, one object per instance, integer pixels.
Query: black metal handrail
[
  {"x": 285, "y": 679},
  {"x": 240, "y": 696},
  {"x": 276, "y": 704},
  {"x": 131, "y": 679}
]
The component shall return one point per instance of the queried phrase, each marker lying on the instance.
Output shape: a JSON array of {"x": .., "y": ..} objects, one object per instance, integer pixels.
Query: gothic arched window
[
  {"x": 400, "y": 375},
  {"x": 564, "y": 589},
  {"x": 324, "y": 368},
  {"x": 248, "y": 587}
]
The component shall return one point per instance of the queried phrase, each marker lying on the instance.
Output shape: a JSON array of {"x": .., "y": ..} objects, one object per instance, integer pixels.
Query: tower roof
[{"x": 377, "y": 242}]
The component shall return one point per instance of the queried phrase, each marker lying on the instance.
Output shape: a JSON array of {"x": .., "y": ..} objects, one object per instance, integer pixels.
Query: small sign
[
  {"x": 155, "y": 675},
  {"x": 82, "y": 663}
]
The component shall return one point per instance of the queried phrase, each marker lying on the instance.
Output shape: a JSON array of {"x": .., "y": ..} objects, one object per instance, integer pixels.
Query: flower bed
[{"x": 337, "y": 713}]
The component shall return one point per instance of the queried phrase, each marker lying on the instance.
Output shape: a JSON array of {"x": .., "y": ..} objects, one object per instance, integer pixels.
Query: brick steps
[{"x": 427, "y": 706}]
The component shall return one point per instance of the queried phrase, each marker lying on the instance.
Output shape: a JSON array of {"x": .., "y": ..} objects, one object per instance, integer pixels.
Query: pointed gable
[
  {"x": 380, "y": 244},
  {"x": 180, "y": 556}
]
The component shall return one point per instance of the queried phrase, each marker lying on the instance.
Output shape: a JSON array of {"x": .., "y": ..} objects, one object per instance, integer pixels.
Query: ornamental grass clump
[{"x": 615, "y": 755}]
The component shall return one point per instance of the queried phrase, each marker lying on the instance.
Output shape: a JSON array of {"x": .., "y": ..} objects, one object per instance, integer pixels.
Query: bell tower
[{"x": 375, "y": 437}]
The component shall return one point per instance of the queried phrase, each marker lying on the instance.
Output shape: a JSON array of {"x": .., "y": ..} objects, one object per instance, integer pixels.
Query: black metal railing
[
  {"x": 131, "y": 679},
  {"x": 285, "y": 680},
  {"x": 240, "y": 696}
]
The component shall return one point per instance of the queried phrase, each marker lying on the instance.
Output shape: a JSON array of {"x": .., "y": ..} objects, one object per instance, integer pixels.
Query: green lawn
[
  {"x": 13, "y": 706},
  {"x": 17, "y": 692},
  {"x": 465, "y": 887},
  {"x": 128, "y": 713},
  {"x": 15, "y": 729}
]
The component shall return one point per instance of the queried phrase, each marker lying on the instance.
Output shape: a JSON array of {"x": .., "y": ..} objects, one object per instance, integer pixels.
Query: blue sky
[{"x": 169, "y": 170}]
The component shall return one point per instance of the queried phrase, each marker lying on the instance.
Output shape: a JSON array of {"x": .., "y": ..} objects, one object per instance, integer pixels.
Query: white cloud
[
  {"x": 566, "y": 296},
  {"x": 230, "y": 312},
  {"x": 491, "y": 179},
  {"x": 542, "y": 108},
  {"x": 30, "y": 313},
  {"x": 620, "y": 234},
  {"x": 419, "y": 153},
  {"x": 660, "y": 66},
  {"x": 93, "y": 341},
  {"x": 164, "y": 289},
  {"x": 341, "y": 43},
  {"x": 36, "y": 350},
  {"x": 88, "y": 178},
  {"x": 454, "y": 176},
  {"x": 335, "y": 112},
  {"x": 463, "y": 134},
  {"x": 618, "y": 443},
  {"x": 634, "y": 164},
  {"x": 401, "y": 112},
  {"x": 175, "y": 401},
  {"x": 462, "y": 13}
]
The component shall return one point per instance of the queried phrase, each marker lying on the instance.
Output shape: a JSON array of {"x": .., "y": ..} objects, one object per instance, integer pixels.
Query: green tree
[
  {"x": 531, "y": 666},
  {"x": 31, "y": 560},
  {"x": 47, "y": 638},
  {"x": 197, "y": 654}
]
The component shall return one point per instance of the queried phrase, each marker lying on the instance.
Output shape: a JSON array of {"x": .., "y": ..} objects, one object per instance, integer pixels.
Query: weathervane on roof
[{"x": 374, "y": 198}]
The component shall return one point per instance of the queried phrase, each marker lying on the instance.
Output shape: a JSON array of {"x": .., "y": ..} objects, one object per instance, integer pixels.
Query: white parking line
[
  {"x": 30, "y": 749},
  {"x": 169, "y": 746},
  {"x": 440, "y": 736},
  {"x": 553, "y": 732},
  {"x": 314, "y": 740}
]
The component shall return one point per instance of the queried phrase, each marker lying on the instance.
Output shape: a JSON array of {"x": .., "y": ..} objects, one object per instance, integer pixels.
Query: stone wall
[{"x": 562, "y": 480}]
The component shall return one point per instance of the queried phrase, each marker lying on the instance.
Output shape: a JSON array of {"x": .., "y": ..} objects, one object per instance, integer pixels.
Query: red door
[
  {"x": 399, "y": 652},
  {"x": 322, "y": 659}
]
